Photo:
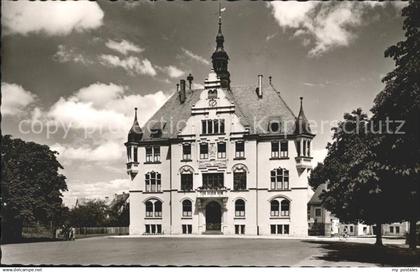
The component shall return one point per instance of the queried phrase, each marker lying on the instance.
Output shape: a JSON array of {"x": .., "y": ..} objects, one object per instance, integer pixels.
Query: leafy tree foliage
[
  {"x": 374, "y": 177},
  {"x": 31, "y": 186},
  {"x": 89, "y": 214},
  {"x": 354, "y": 189},
  {"x": 398, "y": 155}
]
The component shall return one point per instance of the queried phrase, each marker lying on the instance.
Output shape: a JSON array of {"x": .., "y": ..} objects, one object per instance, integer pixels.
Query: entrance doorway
[{"x": 213, "y": 216}]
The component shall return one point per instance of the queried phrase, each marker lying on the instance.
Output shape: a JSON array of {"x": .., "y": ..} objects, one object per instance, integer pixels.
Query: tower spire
[
  {"x": 220, "y": 58},
  {"x": 220, "y": 18}
]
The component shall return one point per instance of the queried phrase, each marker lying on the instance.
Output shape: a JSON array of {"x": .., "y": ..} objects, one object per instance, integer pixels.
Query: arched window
[
  {"x": 275, "y": 207},
  {"x": 153, "y": 208},
  {"x": 158, "y": 209},
  {"x": 279, "y": 179},
  {"x": 152, "y": 182},
  {"x": 240, "y": 208},
  {"x": 186, "y": 208},
  {"x": 149, "y": 209},
  {"x": 285, "y": 207}
]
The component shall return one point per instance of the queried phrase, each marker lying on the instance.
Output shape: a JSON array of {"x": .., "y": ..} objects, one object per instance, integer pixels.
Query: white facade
[{"x": 216, "y": 203}]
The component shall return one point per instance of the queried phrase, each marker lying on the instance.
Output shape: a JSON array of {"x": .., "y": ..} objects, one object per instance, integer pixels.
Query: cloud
[
  {"x": 195, "y": 57},
  {"x": 322, "y": 25},
  {"x": 106, "y": 152},
  {"x": 172, "y": 71},
  {"x": 105, "y": 108},
  {"x": 123, "y": 47},
  {"x": 94, "y": 190},
  {"x": 65, "y": 54},
  {"x": 51, "y": 18},
  {"x": 133, "y": 65},
  {"x": 15, "y": 98}
]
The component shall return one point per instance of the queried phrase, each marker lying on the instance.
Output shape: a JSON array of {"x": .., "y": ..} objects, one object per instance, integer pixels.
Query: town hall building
[{"x": 220, "y": 160}]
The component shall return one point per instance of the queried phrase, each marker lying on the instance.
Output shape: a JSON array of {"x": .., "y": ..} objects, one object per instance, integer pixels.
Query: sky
[{"x": 73, "y": 71}]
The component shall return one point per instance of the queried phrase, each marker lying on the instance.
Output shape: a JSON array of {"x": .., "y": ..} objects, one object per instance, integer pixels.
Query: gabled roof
[
  {"x": 315, "y": 199},
  {"x": 253, "y": 112}
]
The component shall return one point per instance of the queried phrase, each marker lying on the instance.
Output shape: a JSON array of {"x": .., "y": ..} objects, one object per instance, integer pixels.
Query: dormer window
[
  {"x": 212, "y": 94},
  {"x": 274, "y": 127}
]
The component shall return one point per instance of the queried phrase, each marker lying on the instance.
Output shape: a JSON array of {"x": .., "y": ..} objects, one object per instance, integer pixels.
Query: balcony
[
  {"x": 212, "y": 193},
  {"x": 303, "y": 162},
  {"x": 132, "y": 168}
]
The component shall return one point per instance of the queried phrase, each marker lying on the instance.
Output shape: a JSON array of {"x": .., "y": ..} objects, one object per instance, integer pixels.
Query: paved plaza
[{"x": 164, "y": 251}]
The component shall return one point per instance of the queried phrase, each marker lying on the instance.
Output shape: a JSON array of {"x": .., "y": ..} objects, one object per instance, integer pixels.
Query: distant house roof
[
  {"x": 254, "y": 113},
  {"x": 316, "y": 200}
]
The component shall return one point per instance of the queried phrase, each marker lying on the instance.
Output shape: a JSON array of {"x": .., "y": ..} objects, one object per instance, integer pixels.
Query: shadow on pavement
[{"x": 367, "y": 253}]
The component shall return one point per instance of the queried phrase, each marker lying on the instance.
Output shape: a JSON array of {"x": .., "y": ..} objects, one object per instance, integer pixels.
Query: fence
[{"x": 102, "y": 230}]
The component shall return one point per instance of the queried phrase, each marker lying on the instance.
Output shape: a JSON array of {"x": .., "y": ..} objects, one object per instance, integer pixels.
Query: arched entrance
[{"x": 213, "y": 216}]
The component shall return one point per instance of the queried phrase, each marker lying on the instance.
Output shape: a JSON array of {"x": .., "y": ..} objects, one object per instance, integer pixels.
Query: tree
[
  {"x": 118, "y": 211},
  {"x": 398, "y": 154},
  {"x": 31, "y": 186},
  {"x": 89, "y": 214},
  {"x": 354, "y": 189}
]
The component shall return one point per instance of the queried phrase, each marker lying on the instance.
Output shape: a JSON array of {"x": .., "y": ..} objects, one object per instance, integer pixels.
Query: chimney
[
  {"x": 259, "y": 88},
  {"x": 182, "y": 94},
  {"x": 269, "y": 79},
  {"x": 190, "y": 79}
]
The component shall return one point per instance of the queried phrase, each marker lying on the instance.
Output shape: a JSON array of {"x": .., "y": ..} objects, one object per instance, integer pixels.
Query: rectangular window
[
  {"x": 239, "y": 229},
  {"x": 279, "y": 229},
  {"x": 204, "y": 126},
  {"x": 159, "y": 229},
  {"x": 286, "y": 229},
  {"x": 186, "y": 182},
  {"x": 391, "y": 229},
  {"x": 279, "y": 179},
  {"x": 186, "y": 229},
  {"x": 216, "y": 126},
  {"x": 209, "y": 126},
  {"x": 135, "y": 154},
  {"x": 317, "y": 212},
  {"x": 304, "y": 148},
  {"x": 204, "y": 151},
  {"x": 274, "y": 149},
  {"x": 222, "y": 126},
  {"x": 149, "y": 154},
  {"x": 284, "y": 149},
  {"x": 213, "y": 181},
  {"x": 147, "y": 227},
  {"x": 186, "y": 152},
  {"x": 397, "y": 229},
  {"x": 239, "y": 149},
  {"x": 153, "y": 154},
  {"x": 309, "y": 148},
  {"x": 351, "y": 228},
  {"x": 221, "y": 150},
  {"x": 156, "y": 150},
  {"x": 239, "y": 181},
  {"x": 273, "y": 229}
]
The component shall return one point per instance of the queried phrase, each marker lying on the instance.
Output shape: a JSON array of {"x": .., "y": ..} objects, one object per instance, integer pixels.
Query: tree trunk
[
  {"x": 412, "y": 241},
  {"x": 378, "y": 235}
]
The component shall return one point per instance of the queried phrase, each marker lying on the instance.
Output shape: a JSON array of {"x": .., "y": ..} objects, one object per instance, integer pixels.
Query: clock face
[{"x": 212, "y": 103}]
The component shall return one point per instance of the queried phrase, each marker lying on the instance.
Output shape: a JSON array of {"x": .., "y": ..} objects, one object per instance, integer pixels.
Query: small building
[{"x": 320, "y": 221}]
